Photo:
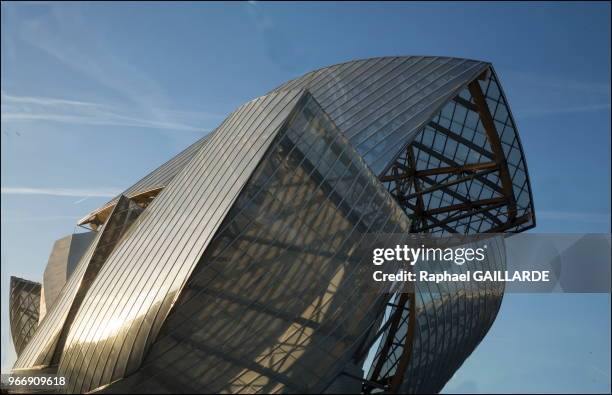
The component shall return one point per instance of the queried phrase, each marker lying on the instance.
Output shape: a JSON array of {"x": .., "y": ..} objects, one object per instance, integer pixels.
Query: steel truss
[
  {"x": 439, "y": 190},
  {"x": 443, "y": 192}
]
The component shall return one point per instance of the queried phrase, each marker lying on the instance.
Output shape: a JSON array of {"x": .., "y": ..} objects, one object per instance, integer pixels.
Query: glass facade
[
  {"x": 239, "y": 265},
  {"x": 448, "y": 320},
  {"x": 140, "y": 281},
  {"x": 47, "y": 346},
  {"x": 449, "y": 179},
  {"x": 277, "y": 303},
  {"x": 24, "y": 302},
  {"x": 64, "y": 257}
]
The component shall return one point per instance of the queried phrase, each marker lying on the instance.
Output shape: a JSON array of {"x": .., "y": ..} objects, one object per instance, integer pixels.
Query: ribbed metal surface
[
  {"x": 43, "y": 349},
  {"x": 282, "y": 296},
  {"x": 64, "y": 257},
  {"x": 381, "y": 103},
  {"x": 451, "y": 320},
  {"x": 161, "y": 176},
  {"x": 378, "y": 103},
  {"x": 450, "y": 323},
  {"x": 24, "y": 301},
  {"x": 129, "y": 300},
  {"x": 55, "y": 274},
  {"x": 235, "y": 277}
]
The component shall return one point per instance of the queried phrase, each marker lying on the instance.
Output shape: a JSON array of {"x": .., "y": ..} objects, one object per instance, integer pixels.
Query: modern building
[{"x": 235, "y": 266}]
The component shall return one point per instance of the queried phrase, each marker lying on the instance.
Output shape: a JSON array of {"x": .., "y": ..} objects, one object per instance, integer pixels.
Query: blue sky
[{"x": 94, "y": 96}]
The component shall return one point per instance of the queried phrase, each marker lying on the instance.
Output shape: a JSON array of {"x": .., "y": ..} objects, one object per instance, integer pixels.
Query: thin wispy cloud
[
  {"x": 63, "y": 34},
  {"x": 573, "y": 216},
  {"x": 30, "y": 3},
  {"x": 531, "y": 112},
  {"x": 543, "y": 95},
  {"x": 556, "y": 82},
  {"x": 601, "y": 371},
  {"x": 81, "y": 200},
  {"x": 73, "y": 192},
  {"x": 138, "y": 100},
  {"x": 49, "y": 218},
  {"x": 27, "y": 108}
]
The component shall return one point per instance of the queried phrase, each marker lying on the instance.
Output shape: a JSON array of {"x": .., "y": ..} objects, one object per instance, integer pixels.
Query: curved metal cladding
[
  {"x": 46, "y": 346},
  {"x": 130, "y": 299},
  {"x": 465, "y": 172},
  {"x": 380, "y": 104},
  {"x": 241, "y": 274},
  {"x": 451, "y": 320},
  {"x": 282, "y": 297},
  {"x": 63, "y": 259},
  {"x": 450, "y": 179},
  {"x": 24, "y": 303},
  {"x": 440, "y": 329},
  {"x": 384, "y": 105},
  {"x": 452, "y": 118}
]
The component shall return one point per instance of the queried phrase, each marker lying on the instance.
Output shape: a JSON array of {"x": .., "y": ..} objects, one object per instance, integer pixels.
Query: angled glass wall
[
  {"x": 65, "y": 255},
  {"x": 277, "y": 303},
  {"x": 462, "y": 174},
  {"x": 243, "y": 272},
  {"x": 48, "y": 343},
  {"x": 24, "y": 305}
]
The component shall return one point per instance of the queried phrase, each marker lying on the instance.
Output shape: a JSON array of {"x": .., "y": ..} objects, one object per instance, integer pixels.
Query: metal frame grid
[
  {"x": 247, "y": 195},
  {"x": 464, "y": 172},
  {"x": 24, "y": 304},
  {"x": 291, "y": 238}
]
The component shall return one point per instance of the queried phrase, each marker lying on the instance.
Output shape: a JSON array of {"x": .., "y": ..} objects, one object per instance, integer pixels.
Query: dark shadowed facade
[
  {"x": 24, "y": 303},
  {"x": 235, "y": 266}
]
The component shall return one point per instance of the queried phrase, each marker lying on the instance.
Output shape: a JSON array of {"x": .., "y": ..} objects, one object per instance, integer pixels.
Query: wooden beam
[
  {"x": 451, "y": 162},
  {"x": 495, "y": 143},
  {"x": 465, "y": 103},
  {"x": 454, "y": 218},
  {"x": 465, "y": 206},
  {"x": 395, "y": 321},
  {"x": 417, "y": 189},
  {"x": 447, "y": 184},
  {"x": 462, "y": 140},
  {"x": 99, "y": 217},
  {"x": 432, "y": 219},
  {"x": 468, "y": 168},
  {"x": 400, "y": 371},
  {"x": 461, "y": 198}
]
